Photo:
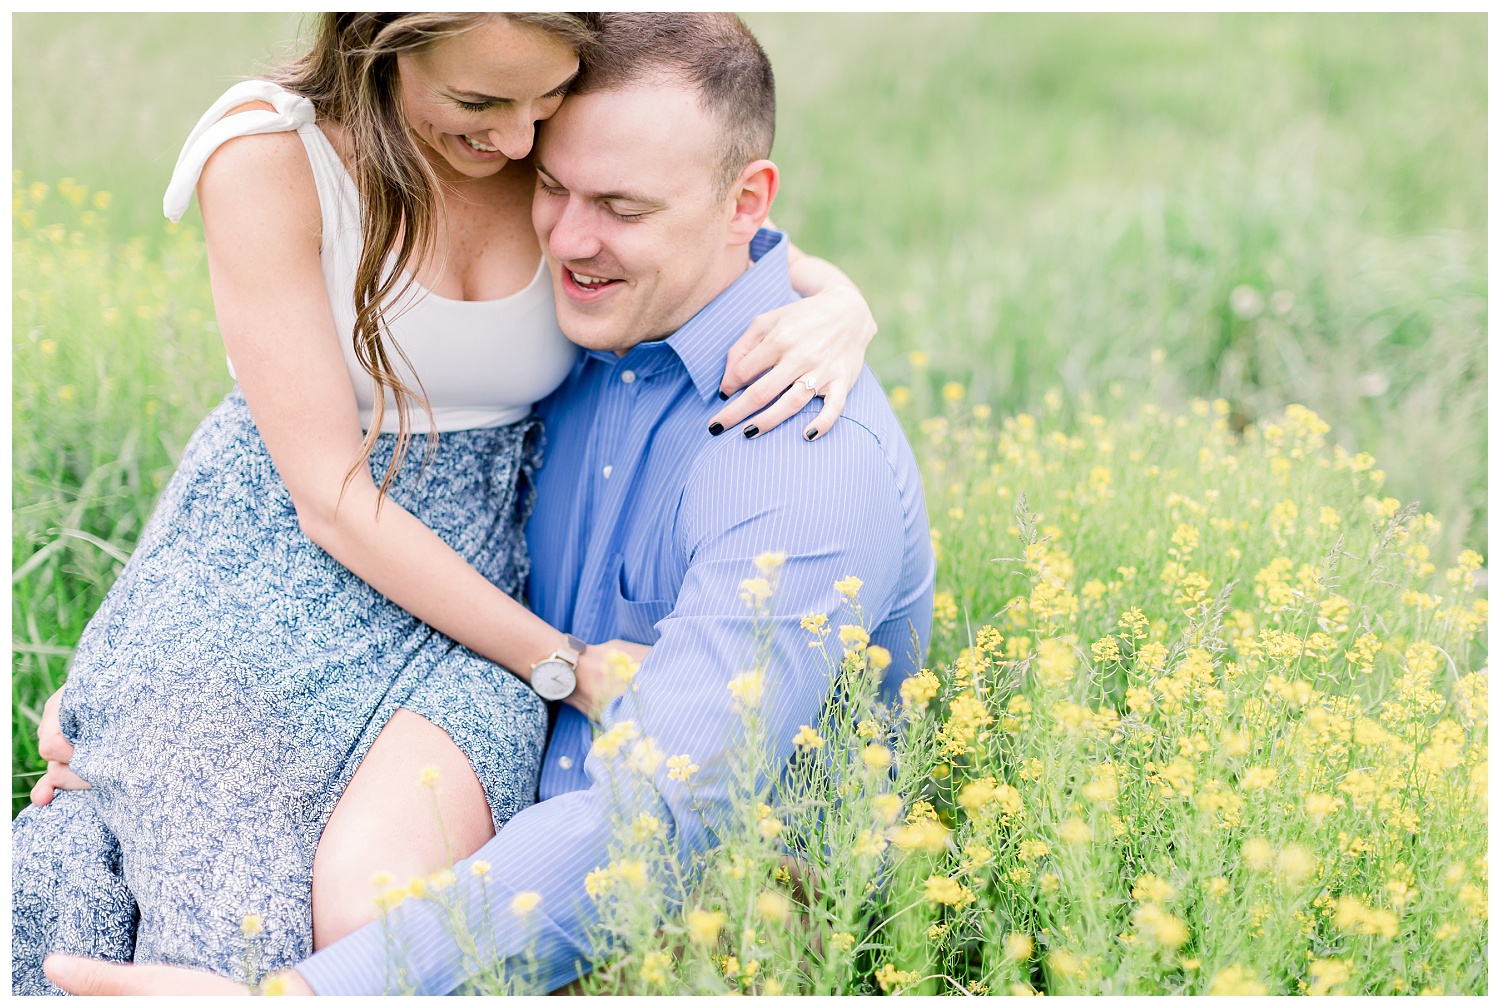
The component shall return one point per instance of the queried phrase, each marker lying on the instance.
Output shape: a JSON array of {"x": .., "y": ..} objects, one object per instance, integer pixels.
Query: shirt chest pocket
[{"x": 633, "y": 619}]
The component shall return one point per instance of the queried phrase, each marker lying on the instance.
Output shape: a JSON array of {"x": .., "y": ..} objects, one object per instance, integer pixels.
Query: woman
[{"x": 295, "y": 635}]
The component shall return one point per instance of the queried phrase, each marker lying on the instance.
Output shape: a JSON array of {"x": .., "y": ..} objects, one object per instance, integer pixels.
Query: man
[{"x": 653, "y": 188}]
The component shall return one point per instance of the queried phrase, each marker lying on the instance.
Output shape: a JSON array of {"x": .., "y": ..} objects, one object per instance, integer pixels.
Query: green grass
[{"x": 1031, "y": 202}]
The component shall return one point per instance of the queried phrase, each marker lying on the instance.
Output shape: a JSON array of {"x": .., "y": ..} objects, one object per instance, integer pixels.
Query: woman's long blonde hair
[{"x": 350, "y": 76}]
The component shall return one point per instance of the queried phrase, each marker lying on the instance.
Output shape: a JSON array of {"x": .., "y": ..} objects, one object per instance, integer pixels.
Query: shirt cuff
[{"x": 414, "y": 956}]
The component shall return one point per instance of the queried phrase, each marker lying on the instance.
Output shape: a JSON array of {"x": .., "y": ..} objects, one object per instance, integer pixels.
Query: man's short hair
[{"x": 712, "y": 53}]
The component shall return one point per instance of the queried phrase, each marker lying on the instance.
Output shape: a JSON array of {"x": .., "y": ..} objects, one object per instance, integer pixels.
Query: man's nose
[{"x": 573, "y": 238}]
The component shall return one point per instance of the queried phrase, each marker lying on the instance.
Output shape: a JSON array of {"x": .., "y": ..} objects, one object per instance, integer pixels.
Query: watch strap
[{"x": 569, "y": 652}]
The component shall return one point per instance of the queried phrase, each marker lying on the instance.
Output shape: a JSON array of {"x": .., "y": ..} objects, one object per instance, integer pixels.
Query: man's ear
[{"x": 752, "y": 193}]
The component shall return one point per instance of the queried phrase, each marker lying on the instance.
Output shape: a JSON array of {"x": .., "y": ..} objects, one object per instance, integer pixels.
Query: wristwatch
[{"x": 555, "y": 677}]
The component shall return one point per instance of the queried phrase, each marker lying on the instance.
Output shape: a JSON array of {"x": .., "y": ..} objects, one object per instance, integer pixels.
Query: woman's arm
[
  {"x": 823, "y": 336},
  {"x": 261, "y": 224}
]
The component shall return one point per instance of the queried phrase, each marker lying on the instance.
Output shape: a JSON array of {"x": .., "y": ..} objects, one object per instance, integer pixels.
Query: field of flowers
[
  {"x": 1207, "y": 703},
  {"x": 1249, "y": 759}
]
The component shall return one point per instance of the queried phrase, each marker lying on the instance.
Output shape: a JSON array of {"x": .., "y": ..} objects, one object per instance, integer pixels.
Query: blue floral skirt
[{"x": 225, "y": 692}]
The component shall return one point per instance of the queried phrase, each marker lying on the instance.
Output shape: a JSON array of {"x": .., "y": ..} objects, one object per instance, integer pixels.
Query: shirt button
[
  {"x": 566, "y": 762},
  {"x": 627, "y": 377},
  {"x": 608, "y": 470}
]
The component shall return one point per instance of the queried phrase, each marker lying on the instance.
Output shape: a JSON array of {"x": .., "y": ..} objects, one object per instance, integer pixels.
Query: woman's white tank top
[{"x": 481, "y": 363}]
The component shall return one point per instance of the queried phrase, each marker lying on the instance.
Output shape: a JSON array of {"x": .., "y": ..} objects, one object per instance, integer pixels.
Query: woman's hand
[
  {"x": 55, "y": 748},
  {"x": 819, "y": 340},
  {"x": 603, "y": 674},
  {"x": 822, "y": 337}
]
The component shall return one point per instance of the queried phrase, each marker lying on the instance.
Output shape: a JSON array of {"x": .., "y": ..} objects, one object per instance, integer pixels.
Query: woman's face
[{"x": 474, "y": 99}]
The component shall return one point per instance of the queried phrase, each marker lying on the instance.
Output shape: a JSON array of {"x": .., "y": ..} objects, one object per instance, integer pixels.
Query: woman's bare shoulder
[{"x": 271, "y": 169}]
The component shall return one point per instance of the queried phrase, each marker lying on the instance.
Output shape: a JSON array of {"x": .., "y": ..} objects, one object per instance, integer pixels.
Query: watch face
[{"x": 553, "y": 680}]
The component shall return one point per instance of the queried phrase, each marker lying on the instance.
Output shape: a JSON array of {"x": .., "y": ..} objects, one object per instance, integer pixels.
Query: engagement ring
[{"x": 810, "y": 383}]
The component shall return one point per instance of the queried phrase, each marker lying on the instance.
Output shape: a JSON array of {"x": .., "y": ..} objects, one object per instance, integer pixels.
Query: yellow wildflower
[
  {"x": 942, "y": 889},
  {"x": 1156, "y": 925},
  {"x": 1055, "y": 662},
  {"x": 773, "y": 906},
  {"x": 1256, "y": 778},
  {"x": 889, "y": 977},
  {"x": 977, "y": 856},
  {"x": 631, "y": 872},
  {"x": 917, "y": 690},
  {"x": 1320, "y": 806},
  {"x": 609, "y": 743},
  {"x": 1075, "y": 831},
  {"x": 654, "y": 967},
  {"x": 1235, "y": 981},
  {"x": 926, "y": 835},
  {"x": 681, "y": 767},
  {"x": 853, "y": 637},
  {"x": 849, "y": 587},
  {"x": 807, "y": 737},
  {"x": 887, "y": 806},
  {"x": 1257, "y": 853},
  {"x": 704, "y": 926},
  {"x": 814, "y": 623},
  {"x": 621, "y": 667},
  {"x": 876, "y": 757},
  {"x": 770, "y": 561},
  {"x": 645, "y": 757},
  {"x": 755, "y": 591},
  {"x": 1295, "y": 864},
  {"x": 1031, "y": 850},
  {"x": 1154, "y": 888},
  {"x": 869, "y": 844},
  {"x": 748, "y": 687},
  {"x": 524, "y": 902}
]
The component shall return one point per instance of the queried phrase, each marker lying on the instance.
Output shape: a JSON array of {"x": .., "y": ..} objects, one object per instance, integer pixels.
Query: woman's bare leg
[{"x": 388, "y": 821}]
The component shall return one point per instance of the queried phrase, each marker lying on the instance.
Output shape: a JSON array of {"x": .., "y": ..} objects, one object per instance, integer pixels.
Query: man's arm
[{"x": 833, "y": 508}]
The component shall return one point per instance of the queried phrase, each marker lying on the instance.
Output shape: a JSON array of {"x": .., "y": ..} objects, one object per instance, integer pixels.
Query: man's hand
[
  {"x": 77, "y": 975},
  {"x": 55, "y": 748},
  {"x": 604, "y": 671}
]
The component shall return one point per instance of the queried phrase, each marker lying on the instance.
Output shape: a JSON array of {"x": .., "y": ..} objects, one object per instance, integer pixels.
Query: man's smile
[{"x": 585, "y": 287}]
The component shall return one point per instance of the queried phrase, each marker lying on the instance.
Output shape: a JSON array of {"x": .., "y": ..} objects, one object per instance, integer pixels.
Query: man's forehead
[{"x": 645, "y": 115}]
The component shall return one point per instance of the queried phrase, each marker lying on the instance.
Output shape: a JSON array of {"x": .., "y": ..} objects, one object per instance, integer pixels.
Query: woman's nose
[{"x": 513, "y": 136}]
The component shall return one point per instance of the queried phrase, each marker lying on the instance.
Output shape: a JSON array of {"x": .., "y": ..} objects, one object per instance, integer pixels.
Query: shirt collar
[{"x": 704, "y": 340}]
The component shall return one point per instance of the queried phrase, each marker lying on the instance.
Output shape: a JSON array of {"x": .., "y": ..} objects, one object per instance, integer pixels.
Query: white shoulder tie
[{"x": 293, "y": 112}]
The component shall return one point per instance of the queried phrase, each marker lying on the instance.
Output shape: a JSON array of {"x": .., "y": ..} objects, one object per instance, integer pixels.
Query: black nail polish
[
  {"x": 752, "y": 430},
  {"x": 811, "y": 433},
  {"x": 723, "y": 395},
  {"x": 716, "y": 429}
]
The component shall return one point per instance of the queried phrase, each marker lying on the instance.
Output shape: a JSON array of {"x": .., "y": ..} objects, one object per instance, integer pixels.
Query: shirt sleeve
[{"x": 834, "y": 509}]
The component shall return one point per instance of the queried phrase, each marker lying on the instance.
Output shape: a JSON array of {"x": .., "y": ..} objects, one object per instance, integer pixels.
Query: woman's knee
[{"x": 413, "y": 807}]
